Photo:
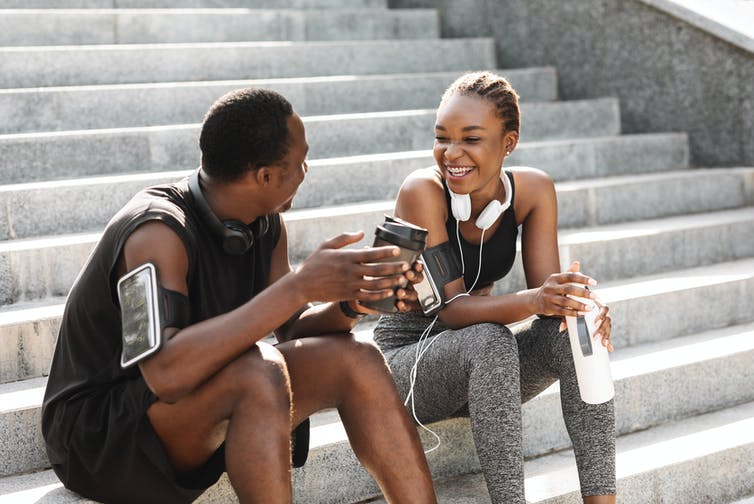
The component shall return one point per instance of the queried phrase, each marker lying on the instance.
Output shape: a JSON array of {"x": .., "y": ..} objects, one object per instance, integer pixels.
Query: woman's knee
[{"x": 491, "y": 339}]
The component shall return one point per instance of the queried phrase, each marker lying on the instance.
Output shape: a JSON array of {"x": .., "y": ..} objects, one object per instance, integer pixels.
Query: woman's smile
[{"x": 458, "y": 171}]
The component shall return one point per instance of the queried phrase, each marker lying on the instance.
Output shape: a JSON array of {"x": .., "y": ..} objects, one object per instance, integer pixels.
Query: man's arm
[
  {"x": 191, "y": 355},
  {"x": 310, "y": 320},
  {"x": 211, "y": 344}
]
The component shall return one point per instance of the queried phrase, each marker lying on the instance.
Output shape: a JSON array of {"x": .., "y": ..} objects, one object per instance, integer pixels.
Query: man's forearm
[{"x": 325, "y": 318}]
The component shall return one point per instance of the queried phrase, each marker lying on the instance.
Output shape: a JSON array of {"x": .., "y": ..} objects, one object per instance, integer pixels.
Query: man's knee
[
  {"x": 259, "y": 375},
  {"x": 361, "y": 357}
]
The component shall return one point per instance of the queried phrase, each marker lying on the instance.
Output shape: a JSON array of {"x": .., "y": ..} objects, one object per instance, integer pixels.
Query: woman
[{"x": 471, "y": 363}]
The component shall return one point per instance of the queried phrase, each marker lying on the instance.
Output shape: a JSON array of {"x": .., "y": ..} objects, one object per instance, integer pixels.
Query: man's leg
[
  {"x": 352, "y": 376},
  {"x": 246, "y": 405}
]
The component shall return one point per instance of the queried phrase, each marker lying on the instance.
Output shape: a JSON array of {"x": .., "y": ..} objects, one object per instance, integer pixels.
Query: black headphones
[{"x": 236, "y": 236}]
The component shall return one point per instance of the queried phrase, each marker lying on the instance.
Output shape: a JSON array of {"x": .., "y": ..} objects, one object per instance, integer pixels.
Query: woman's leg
[
  {"x": 545, "y": 356},
  {"x": 476, "y": 366}
]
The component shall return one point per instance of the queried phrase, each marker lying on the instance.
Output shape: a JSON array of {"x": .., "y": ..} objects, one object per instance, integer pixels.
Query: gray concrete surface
[{"x": 669, "y": 75}]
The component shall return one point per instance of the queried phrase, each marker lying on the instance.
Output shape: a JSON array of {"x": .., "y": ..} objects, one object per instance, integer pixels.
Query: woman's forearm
[{"x": 466, "y": 310}]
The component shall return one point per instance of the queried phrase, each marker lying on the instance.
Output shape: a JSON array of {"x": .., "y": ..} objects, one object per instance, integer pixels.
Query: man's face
[{"x": 292, "y": 169}]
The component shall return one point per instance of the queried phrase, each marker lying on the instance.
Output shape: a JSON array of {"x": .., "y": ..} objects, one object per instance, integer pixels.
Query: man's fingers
[
  {"x": 375, "y": 254},
  {"x": 373, "y": 295},
  {"x": 381, "y": 269},
  {"x": 343, "y": 240},
  {"x": 381, "y": 282}
]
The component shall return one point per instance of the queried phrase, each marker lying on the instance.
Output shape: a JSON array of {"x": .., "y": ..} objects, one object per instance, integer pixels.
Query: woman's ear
[{"x": 510, "y": 141}]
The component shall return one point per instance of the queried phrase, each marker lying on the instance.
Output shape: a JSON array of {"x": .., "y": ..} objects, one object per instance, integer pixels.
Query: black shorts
[{"x": 105, "y": 448}]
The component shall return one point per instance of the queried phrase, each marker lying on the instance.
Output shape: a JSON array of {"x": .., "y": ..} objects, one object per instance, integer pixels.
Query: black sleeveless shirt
[
  {"x": 86, "y": 360},
  {"x": 498, "y": 252}
]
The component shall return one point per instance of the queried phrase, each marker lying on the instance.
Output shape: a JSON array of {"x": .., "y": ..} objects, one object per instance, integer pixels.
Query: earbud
[
  {"x": 460, "y": 206},
  {"x": 236, "y": 237}
]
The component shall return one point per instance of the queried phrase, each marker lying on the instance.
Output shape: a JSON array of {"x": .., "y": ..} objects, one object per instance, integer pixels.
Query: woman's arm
[{"x": 422, "y": 201}]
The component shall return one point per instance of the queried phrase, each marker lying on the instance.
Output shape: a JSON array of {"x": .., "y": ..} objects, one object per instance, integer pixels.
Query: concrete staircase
[{"x": 103, "y": 100}]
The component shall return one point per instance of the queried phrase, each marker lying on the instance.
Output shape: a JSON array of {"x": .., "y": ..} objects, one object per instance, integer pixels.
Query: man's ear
[{"x": 262, "y": 175}]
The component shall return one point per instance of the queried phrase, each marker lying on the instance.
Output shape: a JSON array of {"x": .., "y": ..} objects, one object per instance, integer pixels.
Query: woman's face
[{"x": 469, "y": 143}]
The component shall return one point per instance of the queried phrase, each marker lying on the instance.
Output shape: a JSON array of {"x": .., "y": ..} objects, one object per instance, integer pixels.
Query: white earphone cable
[{"x": 422, "y": 346}]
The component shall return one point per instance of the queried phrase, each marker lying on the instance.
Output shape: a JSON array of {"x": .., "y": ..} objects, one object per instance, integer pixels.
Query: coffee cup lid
[{"x": 402, "y": 233}]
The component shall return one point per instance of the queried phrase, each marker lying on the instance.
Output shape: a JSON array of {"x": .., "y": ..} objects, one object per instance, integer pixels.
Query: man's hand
[{"x": 332, "y": 273}]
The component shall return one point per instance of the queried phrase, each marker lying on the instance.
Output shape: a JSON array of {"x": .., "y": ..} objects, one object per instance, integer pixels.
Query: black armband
[
  {"x": 175, "y": 309},
  {"x": 441, "y": 266}
]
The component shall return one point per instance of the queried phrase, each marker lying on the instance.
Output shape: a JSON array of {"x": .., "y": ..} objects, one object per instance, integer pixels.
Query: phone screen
[
  {"x": 426, "y": 290},
  {"x": 137, "y": 293}
]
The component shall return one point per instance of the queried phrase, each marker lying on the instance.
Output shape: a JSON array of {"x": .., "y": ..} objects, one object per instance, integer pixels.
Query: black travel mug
[{"x": 410, "y": 239}]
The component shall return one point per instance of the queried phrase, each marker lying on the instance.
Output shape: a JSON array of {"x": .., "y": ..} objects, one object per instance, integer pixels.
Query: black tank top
[
  {"x": 498, "y": 252},
  {"x": 86, "y": 360}
]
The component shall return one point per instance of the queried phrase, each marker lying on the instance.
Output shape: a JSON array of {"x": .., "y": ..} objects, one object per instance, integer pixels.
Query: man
[{"x": 214, "y": 397}]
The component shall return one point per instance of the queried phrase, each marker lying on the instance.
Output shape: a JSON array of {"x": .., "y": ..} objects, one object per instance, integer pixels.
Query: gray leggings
[{"x": 486, "y": 372}]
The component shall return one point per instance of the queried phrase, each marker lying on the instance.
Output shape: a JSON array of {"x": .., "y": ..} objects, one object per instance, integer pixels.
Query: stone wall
[{"x": 668, "y": 74}]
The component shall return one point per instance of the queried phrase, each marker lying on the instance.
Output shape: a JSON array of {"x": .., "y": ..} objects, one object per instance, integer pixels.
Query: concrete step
[
  {"x": 44, "y": 156},
  {"x": 33, "y": 305},
  {"x": 190, "y": 4},
  {"x": 694, "y": 460},
  {"x": 27, "y": 331},
  {"x": 132, "y": 63},
  {"x": 128, "y": 105},
  {"x": 27, "y": 338},
  {"x": 645, "y": 196},
  {"x": 34, "y": 209},
  {"x": 28, "y": 328},
  {"x": 644, "y": 399},
  {"x": 698, "y": 460},
  {"x": 40, "y": 267},
  {"x": 308, "y": 228},
  {"x": 650, "y": 247},
  {"x": 41, "y": 27}
]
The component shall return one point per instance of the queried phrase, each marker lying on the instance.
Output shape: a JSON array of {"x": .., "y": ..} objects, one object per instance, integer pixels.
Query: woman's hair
[
  {"x": 243, "y": 130},
  {"x": 493, "y": 88}
]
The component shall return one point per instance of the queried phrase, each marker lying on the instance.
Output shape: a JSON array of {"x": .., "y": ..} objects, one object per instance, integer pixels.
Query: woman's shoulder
[
  {"x": 530, "y": 174},
  {"x": 421, "y": 200},
  {"x": 531, "y": 181},
  {"x": 425, "y": 181},
  {"x": 534, "y": 188}
]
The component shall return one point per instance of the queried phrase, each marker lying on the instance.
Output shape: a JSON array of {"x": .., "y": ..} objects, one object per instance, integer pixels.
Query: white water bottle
[{"x": 590, "y": 357}]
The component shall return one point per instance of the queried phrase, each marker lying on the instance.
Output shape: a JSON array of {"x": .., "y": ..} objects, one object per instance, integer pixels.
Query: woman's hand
[
  {"x": 603, "y": 323},
  {"x": 554, "y": 297},
  {"x": 408, "y": 299}
]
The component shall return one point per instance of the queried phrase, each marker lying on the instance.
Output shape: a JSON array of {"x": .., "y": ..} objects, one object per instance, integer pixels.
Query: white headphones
[{"x": 460, "y": 205}]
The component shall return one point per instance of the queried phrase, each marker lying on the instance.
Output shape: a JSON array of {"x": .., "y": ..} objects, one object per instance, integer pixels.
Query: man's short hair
[{"x": 244, "y": 130}]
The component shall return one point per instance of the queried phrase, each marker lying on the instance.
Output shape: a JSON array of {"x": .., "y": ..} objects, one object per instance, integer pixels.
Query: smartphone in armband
[
  {"x": 430, "y": 298},
  {"x": 140, "y": 317}
]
